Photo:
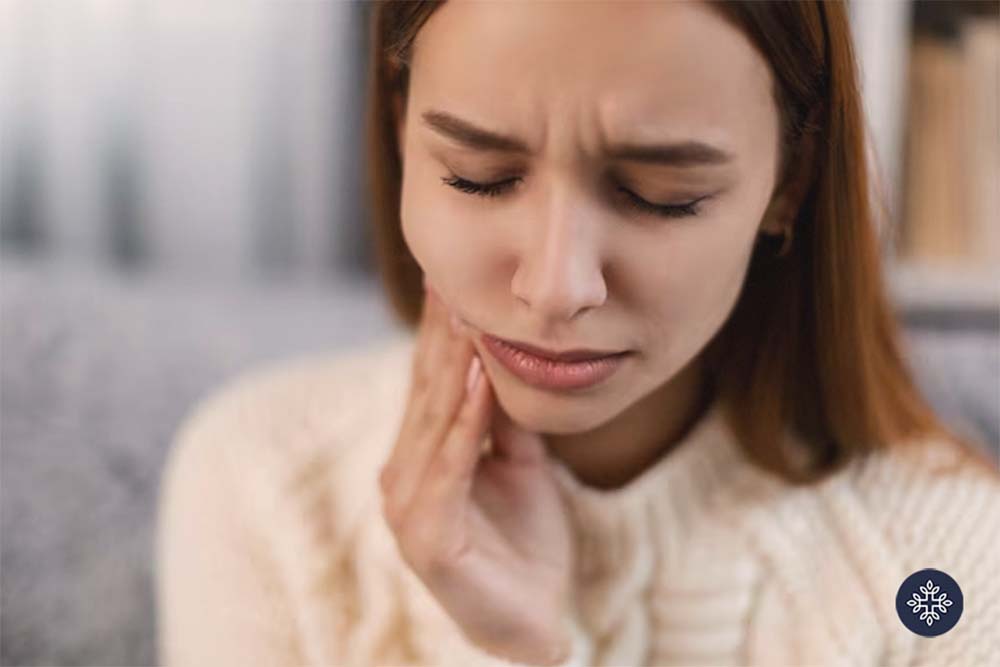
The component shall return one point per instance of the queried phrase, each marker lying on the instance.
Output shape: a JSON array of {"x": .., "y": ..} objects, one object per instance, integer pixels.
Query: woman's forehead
[{"x": 621, "y": 72}]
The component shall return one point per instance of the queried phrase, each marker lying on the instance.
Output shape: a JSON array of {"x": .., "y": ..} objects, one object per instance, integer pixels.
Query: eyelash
[
  {"x": 635, "y": 201},
  {"x": 482, "y": 189}
]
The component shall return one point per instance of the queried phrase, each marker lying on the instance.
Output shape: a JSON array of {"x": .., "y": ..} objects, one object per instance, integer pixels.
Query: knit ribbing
[
  {"x": 702, "y": 559},
  {"x": 632, "y": 539}
]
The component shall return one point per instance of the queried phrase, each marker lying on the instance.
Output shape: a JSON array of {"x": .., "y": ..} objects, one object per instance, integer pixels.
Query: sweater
[{"x": 272, "y": 548}]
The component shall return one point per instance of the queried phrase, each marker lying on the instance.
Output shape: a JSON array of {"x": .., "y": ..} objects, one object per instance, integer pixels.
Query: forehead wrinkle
[{"x": 547, "y": 99}]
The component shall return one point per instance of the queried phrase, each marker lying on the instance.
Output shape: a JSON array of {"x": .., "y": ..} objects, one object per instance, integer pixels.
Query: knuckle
[
  {"x": 441, "y": 561},
  {"x": 434, "y": 414},
  {"x": 432, "y": 553},
  {"x": 392, "y": 511},
  {"x": 419, "y": 376},
  {"x": 392, "y": 503},
  {"x": 416, "y": 549},
  {"x": 412, "y": 418},
  {"x": 437, "y": 565},
  {"x": 447, "y": 465},
  {"x": 386, "y": 477}
]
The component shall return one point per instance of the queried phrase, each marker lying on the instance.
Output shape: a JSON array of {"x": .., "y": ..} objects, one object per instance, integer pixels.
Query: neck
[{"x": 619, "y": 450}]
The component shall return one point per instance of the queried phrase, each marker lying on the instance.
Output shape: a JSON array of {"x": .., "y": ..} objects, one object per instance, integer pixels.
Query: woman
[{"x": 655, "y": 409}]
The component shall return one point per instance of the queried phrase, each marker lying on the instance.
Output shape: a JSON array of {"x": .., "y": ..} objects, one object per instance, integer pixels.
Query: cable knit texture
[{"x": 272, "y": 548}]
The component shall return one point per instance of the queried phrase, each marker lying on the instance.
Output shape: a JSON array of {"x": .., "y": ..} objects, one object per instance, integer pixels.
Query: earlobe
[{"x": 776, "y": 216}]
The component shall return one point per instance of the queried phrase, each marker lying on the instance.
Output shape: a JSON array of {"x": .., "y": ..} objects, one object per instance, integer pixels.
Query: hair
[{"x": 812, "y": 343}]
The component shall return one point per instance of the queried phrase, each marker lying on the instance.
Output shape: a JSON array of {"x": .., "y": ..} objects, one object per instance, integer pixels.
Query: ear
[
  {"x": 789, "y": 195},
  {"x": 399, "y": 114}
]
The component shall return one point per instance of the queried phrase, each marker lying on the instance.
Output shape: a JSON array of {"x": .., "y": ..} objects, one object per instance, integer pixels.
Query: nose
[{"x": 560, "y": 273}]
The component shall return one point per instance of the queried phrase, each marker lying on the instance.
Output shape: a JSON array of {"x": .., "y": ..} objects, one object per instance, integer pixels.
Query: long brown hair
[{"x": 812, "y": 343}]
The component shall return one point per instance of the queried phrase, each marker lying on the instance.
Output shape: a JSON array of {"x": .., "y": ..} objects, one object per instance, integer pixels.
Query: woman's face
[{"x": 605, "y": 107}]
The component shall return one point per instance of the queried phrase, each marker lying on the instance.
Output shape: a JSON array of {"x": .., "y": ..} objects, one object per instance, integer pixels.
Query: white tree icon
[{"x": 928, "y": 603}]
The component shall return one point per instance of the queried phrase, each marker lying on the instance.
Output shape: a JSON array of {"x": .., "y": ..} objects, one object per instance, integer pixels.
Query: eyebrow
[{"x": 689, "y": 153}]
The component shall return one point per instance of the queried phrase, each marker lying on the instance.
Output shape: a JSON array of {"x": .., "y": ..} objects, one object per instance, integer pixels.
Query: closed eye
[
  {"x": 636, "y": 202},
  {"x": 664, "y": 210},
  {"x": 483, "y": 189}
]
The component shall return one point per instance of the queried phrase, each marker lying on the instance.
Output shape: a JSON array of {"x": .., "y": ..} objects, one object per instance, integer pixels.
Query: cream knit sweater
[{"x": 272, "y": 549}]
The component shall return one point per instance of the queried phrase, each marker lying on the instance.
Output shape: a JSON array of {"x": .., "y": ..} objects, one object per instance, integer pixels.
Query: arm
[{"x": 219, "y": 600}]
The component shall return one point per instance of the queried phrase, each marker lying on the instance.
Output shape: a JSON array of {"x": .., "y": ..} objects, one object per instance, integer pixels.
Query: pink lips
[{"x": 573, "y": 370}]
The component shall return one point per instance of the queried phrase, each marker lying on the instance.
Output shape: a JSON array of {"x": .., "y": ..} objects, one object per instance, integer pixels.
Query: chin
[{"x": 543, "y": 412}]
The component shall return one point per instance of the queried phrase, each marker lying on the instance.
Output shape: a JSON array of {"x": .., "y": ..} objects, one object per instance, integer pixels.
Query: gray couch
[{"x": 96, "y": 374}]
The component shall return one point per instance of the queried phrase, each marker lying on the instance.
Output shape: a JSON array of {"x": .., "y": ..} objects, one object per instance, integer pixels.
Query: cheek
[
  {"x": 427, "y": 226},
  {"x": 447, "y": 235},
  {"x": 692, "y": 292},
  {"x": 432, "y": 229}
]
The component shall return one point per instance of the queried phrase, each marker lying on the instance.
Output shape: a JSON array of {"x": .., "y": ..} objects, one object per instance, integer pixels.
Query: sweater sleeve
[{"x": 219, "y": 600}]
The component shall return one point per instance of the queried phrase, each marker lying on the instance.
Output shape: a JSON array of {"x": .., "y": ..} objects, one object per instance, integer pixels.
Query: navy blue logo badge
[{"x": 929, "y": 602}]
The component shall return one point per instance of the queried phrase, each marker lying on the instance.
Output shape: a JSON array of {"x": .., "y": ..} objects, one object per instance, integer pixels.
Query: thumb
[{"x": 514, "y": 444}]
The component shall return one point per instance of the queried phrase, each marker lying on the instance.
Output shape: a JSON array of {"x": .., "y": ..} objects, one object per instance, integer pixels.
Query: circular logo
[{"x": 929, "y": 602}]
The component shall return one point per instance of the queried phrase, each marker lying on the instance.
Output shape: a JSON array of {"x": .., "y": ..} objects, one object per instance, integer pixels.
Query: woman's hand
[{"x": 487, "y": 534}]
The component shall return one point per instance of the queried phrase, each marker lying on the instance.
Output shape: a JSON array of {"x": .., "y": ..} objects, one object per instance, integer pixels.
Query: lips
[
  {"x": 555, "y": 374},
  {"x": 577, "y": 354}
]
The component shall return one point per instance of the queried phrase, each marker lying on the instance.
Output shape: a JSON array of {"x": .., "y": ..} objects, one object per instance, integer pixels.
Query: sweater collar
[
  {"x": 662, "y": 507},
  {"x": 693, "y": 468}
]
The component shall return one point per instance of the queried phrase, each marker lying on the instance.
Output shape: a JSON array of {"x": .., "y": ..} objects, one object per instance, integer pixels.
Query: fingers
[
  {"x": 407, "y": 452},
  {"x": 452, "y": 470},
  {"x": 432, "y": 406},
  {"x": 435, "y": 415}
]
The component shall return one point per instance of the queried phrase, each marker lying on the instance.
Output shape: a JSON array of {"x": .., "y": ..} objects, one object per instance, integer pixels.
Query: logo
[{"x": 929, "y": 602}]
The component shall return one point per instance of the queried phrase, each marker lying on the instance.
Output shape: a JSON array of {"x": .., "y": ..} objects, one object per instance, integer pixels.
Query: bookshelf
[
  {"x": 930, "y": 73},
  {"x": 924, "y": 283}
]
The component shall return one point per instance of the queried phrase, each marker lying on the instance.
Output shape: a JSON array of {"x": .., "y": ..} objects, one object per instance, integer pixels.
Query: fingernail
[{"x": 472, "y": 377}]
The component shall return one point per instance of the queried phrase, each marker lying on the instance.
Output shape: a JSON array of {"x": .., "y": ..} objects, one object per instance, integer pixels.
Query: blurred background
[{"x": 182, "y": 198}]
